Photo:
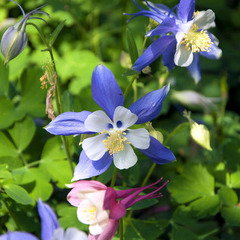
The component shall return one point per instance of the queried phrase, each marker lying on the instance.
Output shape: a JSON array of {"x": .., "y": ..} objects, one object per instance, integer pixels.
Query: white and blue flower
[
  {"x": 113, "y": 140},
  {"x": 183, "y": 36}
]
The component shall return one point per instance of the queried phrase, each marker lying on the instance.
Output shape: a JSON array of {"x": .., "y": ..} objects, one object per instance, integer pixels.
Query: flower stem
[
  {"x": 130, "y": 84},
  {"x": 121, "y": 228},
  {"x": 58, "y": 95},
  {"x": 114, "y": 177},
  {"x": 148, "y": 174}
]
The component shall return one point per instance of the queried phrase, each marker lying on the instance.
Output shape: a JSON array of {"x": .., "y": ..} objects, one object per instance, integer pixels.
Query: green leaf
[
  {"x": 55, "y": 163},
  {"x": 56, "y": 32},
  {"x": 23, "y": 132},
  {"x": 131, "y": 175},
  {"x": 235, "y": 179},
  {"x": 68, "y": 218},
  {"x": 5, "y": 174},
  {"x": 195, "y": 182},
  {"x": 150, "y": 229},
  {"x": 18, "y": 194},
  {"x": 144, "y": 204},
  {"x": 228, "y": 196},
  {"x": 53, "y": 150},
  {"x": 182, "y": 233},
  {"x": 59, "y": 171},
  {"x": 33, "y": 96},
  {"x": 205, "y": 206},
  {"x": 132, "y": 47},
  {"x": 6, "y": 147},
  {"x": 42, "y": 188},
  {"x": 4, "y": 85},
  {"x": 182, "y": 216},
  {"x": 231, "y": 215},
  {"x": 7, "y": 112}
]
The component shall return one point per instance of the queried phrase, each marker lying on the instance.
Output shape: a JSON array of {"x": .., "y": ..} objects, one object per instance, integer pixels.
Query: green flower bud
[{"x": 200, "y": 135}]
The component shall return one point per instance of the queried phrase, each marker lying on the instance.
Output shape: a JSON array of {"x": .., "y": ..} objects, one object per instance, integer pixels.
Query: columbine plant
[
  {"x": 50, "y": 228},
  {"x": 101, "y": 207},
  {"x": 114, "y": 138},
  {"x": 183, "y": 36},
  {"x": 14, "y": 38}
]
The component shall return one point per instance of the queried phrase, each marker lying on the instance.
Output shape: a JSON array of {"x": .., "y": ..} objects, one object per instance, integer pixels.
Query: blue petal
[
  {"x": 194, "y": 68},
  {"x": 153, "y": 52},
  {"x": 168, "y": 55},
  {"x": 158, "y": 153},
  {"x": 68, "y": 123},
  {"x": 105, "y": 90},
  {"x": 17, "y": 236},
  {"x": 167, "y": 25},
  {"x": 155, "y": 16},
  {"x": 87, "y": 168},
  {"x": 149, "y": 106},
  {"x": 49, "y": 221},
  {"x": 185, "y": 10}
]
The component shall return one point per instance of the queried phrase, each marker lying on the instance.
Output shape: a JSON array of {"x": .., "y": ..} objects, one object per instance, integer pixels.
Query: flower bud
[
  {"x": 200, "y": 135},
  {"x": 194, "y": 100},
  {"x": 14, "y": 38},
  {"x": 13, "y": 42}
]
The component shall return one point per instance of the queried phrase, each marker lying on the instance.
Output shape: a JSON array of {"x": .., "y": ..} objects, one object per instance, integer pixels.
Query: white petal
[
  {"x": 183, "y": 28},
  {"x": 94, "y": 147},
  {"x": 183, "y": 57},
  {"x": 75, "y": 234},
  {"x": 205, "y": 19},
  {"x": 85, "y": 205},
  {"x": 125, "y": 116},
  {"x": 139, "y": 138},
  {"x": 98, "y": 121},
  {"x": 125, "y": 159},
  {"x": 95, "y": 229}
]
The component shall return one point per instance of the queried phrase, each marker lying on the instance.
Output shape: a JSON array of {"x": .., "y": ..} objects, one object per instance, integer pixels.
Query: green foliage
[{"x": 202, "y": 199}]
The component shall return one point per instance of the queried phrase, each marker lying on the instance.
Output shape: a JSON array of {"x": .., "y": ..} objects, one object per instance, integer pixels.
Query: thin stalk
[
  {"x": 58, "y": 95},
  {"x": 121, "y": 228},
  {"x": 130, "y": 84},
  {"x": 148, "y": 174},
  {"x": 23, "y": 159},
  {"x": 114, "y": 177}
]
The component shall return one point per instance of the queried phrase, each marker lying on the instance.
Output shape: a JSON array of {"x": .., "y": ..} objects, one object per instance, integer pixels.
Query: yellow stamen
[
  {"x": 90, "y": 213},
  {"x": 197, "y": 41},
  {"x": 115, "y": 140}
]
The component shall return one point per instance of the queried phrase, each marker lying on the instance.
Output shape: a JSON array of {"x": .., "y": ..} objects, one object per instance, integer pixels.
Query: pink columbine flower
[{"x": 101, "y": 207}]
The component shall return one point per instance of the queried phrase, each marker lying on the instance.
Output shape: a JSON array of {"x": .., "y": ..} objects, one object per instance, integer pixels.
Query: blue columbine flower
[
  {"x": 183, "y": 36},
  {"x": 113, "y": 138},
  {"x": 50, "y": 228}
]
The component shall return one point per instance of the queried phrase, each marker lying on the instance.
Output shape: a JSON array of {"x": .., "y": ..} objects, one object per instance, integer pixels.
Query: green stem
[
  {"x": 58, "y": 95},
  {"x": 23, "y": 159},
  {"x": 130, "y": 84},
  {"x": 148, "y": 174},
  {"x": 114, "y": 177},
  {"x": 121, "y": 228}
]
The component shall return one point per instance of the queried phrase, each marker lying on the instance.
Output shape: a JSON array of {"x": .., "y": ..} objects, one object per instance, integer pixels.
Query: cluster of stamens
[
  {"x": 115, "y": 140},
  {"x": 197, "y": 41},
  {"x": 90, "y": 214}
]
